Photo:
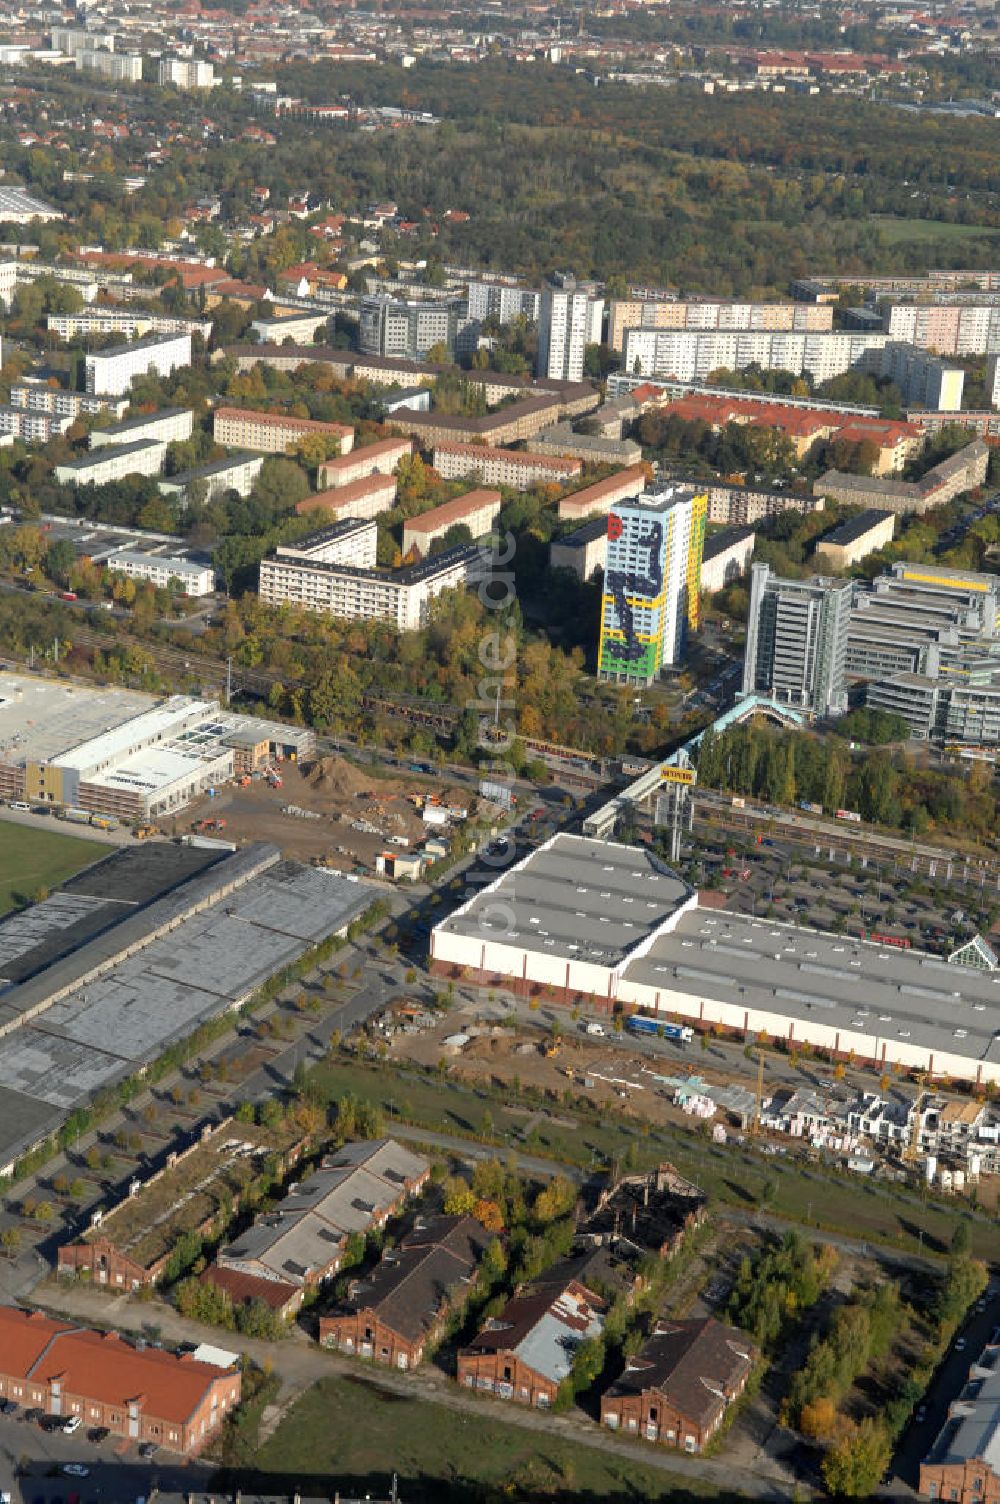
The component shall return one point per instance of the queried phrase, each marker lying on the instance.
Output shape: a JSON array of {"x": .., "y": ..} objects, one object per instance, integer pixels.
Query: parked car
[
  {"x": 71, "y": 1423},
  {"x": 76, "y": 1470},
  {"x": 9, "y": 1407},
  {"x": 960, "y": 1345},
  {"x": 148, "y": 1449}
]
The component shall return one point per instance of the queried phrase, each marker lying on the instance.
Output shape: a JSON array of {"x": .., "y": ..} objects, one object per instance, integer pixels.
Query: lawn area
[
  {"x": 352, "y": 1435},
  {"x": 819, "y": 1198},
  {"x": 892, "y": 230},
  {"x": 31, "y": 859}
]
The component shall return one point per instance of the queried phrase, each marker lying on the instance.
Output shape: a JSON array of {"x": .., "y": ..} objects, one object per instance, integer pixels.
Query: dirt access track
[{"x": 350, "y": 814}]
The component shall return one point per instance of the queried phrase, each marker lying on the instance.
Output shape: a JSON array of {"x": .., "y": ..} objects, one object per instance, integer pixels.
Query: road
[
  {"x": 950, "y": 1376},
  {"x": 119, "y": 837}
]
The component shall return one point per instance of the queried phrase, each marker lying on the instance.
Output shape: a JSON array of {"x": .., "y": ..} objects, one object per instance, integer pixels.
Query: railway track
[
  {"x": 213, "y": 673},
  {"x": 935, "y": 862}
]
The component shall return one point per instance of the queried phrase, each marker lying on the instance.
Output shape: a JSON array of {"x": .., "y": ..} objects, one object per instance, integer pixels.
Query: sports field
[
  {"x": 892, "y": 230},
  {"x": 32, "y": 859}
]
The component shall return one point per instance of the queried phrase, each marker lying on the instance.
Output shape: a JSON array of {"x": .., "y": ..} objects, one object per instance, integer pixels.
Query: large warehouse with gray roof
[
  {"x": 592, "y": 921},
  {"x": 132, "y": 955}
]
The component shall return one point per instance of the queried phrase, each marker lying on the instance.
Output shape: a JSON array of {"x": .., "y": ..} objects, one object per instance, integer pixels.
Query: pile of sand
[{"x": 334, "y": 775}]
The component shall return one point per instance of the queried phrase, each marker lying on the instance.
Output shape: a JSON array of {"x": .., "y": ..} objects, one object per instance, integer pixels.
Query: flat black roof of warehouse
[
  {"x": 113, "y": 889},
  {"x": 138, "y": 874},
  {"x": 574, "y": 897}
]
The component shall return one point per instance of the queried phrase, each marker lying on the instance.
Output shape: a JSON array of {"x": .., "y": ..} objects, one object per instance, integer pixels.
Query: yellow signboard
[{"x": 677, "y": 775}]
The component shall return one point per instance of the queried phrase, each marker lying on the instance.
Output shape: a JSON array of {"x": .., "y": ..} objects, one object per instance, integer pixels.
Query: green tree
[{"x": 854, "y": 1466}]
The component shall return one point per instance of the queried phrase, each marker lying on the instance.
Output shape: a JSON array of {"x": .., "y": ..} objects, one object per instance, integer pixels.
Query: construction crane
[{"x": 911, "y": 1150}]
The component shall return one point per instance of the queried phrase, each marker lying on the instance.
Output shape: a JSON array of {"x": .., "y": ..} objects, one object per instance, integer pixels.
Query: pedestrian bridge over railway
[{"x": 676, "y": 770}]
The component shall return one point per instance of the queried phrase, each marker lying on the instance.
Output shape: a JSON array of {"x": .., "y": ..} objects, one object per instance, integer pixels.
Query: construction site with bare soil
[
  {"x": 511, "y": 1058},
  {"x": 330, "y": 811}
]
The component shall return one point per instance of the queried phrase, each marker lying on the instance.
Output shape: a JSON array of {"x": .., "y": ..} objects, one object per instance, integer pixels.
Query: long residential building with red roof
[
  {"x": 275, "y": 433},
  {"x": 144, "y": 1394},
  {"x": 362, "y": 498},
  {"x": 598, "y": 499},
  {"x": 894, "y": 441},
  {"x": 477, "y": 510},
  {"x": 518, "y": 468},
  {"x": 380, "y": 458}
]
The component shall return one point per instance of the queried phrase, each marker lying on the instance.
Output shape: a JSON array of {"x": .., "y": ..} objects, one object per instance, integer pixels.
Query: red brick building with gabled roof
[
  {"x": 244, "y": 1289},
  {"x": 400, "y": 1307},
  {"x": 141, "y": 1393},
  {"x": 678, "y": 1386},
  {"x": 526, "y": 1351}
]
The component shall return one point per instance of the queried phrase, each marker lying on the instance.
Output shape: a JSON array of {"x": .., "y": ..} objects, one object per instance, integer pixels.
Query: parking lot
[
  {"x": 817, "y": 883},
  {"x": 56, "y": 1468}
]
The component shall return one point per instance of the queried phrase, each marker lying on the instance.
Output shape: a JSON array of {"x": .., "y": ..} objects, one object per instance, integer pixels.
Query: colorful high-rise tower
[{"x": 651, "y": 582}]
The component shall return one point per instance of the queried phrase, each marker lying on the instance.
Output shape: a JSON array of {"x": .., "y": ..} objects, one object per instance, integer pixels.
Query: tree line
[{"x": 886, "y": 787}]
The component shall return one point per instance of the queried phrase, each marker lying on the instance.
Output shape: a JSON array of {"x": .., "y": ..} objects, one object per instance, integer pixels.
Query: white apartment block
[
  {"x": 739, "y": 506},
  {"x": 194, "y": 579},
  {"x": 111, "y": 372},
  {"x": 993, "y": 381},
  {"x": 570, "y": 319},
  {"x": 126, "y": 322},
  {"x": 238, "y": 473},
  {"x": 922, "y": 378},
  {"x": 274, "y": 433},
  {"x": 86, "y": 280},
  {"x": 367, "y": 594},
  {"x": 39, "y": 397},
  {"x": 171, "y": 426},
  {"x": 702, "y": 313},
  {"x": 691, "y": 356},
  {"x": 32, "y": 427},
  {"x": 8, "y": 282},
  {"x": 380, "y": 458},
  {"x": 518, "y": 468},
  {"x": 503, "y": 302},
  {"x": 946, "y": 328},
  {"x": 728, "y": 559},
  {"x": 72, "y": 40},
  {"x": 14, "y": 274},
  {"x": 144, "y": 457},
  {"x": 186, "y": 73},
  {"x": 300, "y": 328},
  {"x": 119, "y": 67},
  {"x": 353, "y": 541},
  {"x": 584, "y": 551}
]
